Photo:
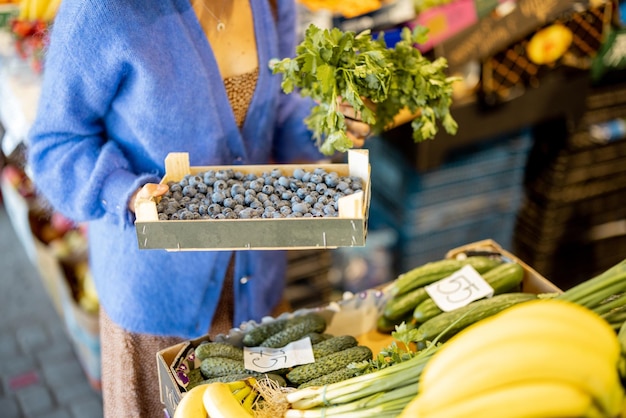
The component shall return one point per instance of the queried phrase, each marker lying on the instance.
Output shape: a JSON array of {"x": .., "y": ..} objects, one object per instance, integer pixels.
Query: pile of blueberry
[{"x": 231, "y": 194}]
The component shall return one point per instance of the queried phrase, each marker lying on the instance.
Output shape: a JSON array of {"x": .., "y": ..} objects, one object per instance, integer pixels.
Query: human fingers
[
  {"x": 357, "y": 131},
  {"x": 147, "y": 191}
]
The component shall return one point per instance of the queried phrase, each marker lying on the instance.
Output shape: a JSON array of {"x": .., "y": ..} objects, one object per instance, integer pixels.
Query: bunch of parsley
[{"x": 356, "y": 68}]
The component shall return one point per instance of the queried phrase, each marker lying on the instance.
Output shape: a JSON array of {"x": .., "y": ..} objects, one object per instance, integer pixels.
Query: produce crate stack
[
  {"x": 308, "y": 277},
  {"x": 572, "y": 221},
  {"x": 473, "y": 195}
]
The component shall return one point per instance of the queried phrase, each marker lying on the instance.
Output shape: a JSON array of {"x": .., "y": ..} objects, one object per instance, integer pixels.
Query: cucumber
[
  {"x": 437, "y": 270},
  {"x": 222, "y": 366},
  {"x": 332, "y": 345},
  {"x": 328, "y": 364},
  {"x": 297, "y": 328},
  {"x": 333, "y": 377},
  {"x": 504, "y": 278},
  {"x": 260, "y": 333},
  {"x": 401, "y": 305},
  {"x": 454, "y": 321},
  {"x": 387, "y": 325},
  {"x": 317, "y": 337},
  {"x": 218, "y": 349}
]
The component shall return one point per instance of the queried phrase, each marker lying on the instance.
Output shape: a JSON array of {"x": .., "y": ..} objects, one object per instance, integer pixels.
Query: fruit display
[
  {"x": 65, "y": 240},
  {"x": 30, "y": 29},
  {"x": 231, "y": 194},
  {"x": 259, "y": 206},
  {"x": 348, "y": 9},
  {"x": 38, "y": 10},
  {"x": 516, "y": 353},
  {"x": 543, "y": 358}
]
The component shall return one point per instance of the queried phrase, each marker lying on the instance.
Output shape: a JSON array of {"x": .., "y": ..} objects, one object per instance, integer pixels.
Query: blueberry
[
  {"x": 300, "y": 207},
  {"x": 236, "y": 189},
  {"x": 218, "y": 196},
  {"x": 298, "y": 173},
  {"x": 195, "y": 180},
  {"x": 284, "y": 181},
  {"x": 268, "y": 189},
  {"x": 229, "y": 202},
  {"x": 189, "y": 191}
]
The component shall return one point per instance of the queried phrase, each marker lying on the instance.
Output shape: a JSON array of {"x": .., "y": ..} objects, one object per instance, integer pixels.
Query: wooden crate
[{"x": 348, "y": 229}]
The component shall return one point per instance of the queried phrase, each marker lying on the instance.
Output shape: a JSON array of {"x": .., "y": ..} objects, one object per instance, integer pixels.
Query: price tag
[
  {"x": 265, "y": 359},
  {"x": 459, "y": 289}
]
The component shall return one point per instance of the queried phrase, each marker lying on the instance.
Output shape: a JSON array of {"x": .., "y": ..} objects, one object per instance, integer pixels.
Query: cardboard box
[
  {"x": 348, "y": 229},
  {"x": 356, "y": 315}
]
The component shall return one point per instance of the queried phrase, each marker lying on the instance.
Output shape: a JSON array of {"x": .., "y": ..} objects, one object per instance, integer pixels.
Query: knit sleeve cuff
[{"x": 117, "y": 191}]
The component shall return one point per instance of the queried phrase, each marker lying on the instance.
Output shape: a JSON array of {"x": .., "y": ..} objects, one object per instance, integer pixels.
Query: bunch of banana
[
  {"x": 542, "y": 358},
  {"x": 43, "y": 10},
  {"x": 219, "y": 400}
]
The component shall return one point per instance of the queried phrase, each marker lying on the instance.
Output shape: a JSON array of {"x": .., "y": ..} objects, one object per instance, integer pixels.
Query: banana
[
  {"x": 220, "y": 402},
  {"x": 248, "y": 402},
  {"x": 534, "y": 320},
  {"x": 24, "y": 12},
  {"x": 242, "y": 393},
  {"x": 527, "y": 399},
  {"x": 523, "y": 359},
  {"x": 191, "y": 405},
  {"x": 50, "y": 11},
  {"x": 35, "y": 10}
]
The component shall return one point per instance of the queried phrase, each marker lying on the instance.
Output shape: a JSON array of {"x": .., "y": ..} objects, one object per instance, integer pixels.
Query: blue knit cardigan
[{"x": 125, "y": 83}]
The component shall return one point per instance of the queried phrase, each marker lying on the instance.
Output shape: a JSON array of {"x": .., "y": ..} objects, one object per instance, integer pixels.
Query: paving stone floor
[{"x": 40, "y": 375}]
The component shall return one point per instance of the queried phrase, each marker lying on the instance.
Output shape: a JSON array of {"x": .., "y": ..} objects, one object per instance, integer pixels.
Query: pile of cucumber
[
  {"x": 411, "y": 304},
  {"x": 224, "y": 362}
]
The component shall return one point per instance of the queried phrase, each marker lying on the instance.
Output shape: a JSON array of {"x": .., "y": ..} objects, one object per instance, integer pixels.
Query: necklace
[{"x": 220, "y": 25}]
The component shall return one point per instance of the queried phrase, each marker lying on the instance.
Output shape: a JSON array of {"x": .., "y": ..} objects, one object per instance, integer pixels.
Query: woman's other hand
[
  {"x": 148, "y": 191},
  {"x": 357, "y": 130}
]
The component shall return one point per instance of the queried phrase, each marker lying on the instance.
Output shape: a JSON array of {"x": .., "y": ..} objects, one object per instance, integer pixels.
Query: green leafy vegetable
[{"x": 332, "y": 64}]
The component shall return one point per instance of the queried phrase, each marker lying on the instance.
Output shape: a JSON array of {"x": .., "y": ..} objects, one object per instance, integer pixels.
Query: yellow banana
[
  {"x": 219, "y": 402},
  {"x": 524, "y": 359},
  {"x": 236, "y": 385},
  {"x": 242, "y": 393},
  {"x": 50, "y": 11},
  {"x": 527, "y": 399},
  {"x": 192, "y": 405},
  {"x": 248, "y": 402},
  {"x": 36, "y": 9},
  {"x": 535, "y": 320},
  {"x": 24, "y": 13}
]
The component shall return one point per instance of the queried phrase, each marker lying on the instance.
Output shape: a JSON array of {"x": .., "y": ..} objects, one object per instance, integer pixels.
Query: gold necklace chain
[{"x": 220, "y": 24}]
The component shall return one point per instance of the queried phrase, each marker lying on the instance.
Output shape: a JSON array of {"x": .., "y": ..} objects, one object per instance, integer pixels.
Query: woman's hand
[
  {"x": 148, "y": 191},
  {"x": 357, "y": 130}
]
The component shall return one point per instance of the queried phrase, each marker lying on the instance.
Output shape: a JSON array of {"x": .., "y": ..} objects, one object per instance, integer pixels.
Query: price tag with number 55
[{"x": 459, "y": 289}]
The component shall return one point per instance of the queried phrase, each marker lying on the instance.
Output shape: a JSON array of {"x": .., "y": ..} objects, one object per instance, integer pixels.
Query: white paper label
[
  {"x": 459, "y": 289},
  {"x": 265, "y": 359}
]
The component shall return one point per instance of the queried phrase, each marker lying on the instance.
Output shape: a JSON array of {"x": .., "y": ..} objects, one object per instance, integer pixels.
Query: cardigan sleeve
[{"x": 75, "y": 166}]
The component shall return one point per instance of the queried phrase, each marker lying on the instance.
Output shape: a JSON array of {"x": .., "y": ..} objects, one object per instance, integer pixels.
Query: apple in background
[
  {"x": 13, "y": 175},
  {"x": 60, "y": 223},
  {"x": 16, "y": 177}
]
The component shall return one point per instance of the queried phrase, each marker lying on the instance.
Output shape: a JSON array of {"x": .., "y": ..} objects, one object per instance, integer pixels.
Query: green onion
[{"x": 359, "y": 387}]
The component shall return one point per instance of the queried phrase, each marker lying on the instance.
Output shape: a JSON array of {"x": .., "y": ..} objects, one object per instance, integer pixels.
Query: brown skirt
[{"x": 130, "y": 382}]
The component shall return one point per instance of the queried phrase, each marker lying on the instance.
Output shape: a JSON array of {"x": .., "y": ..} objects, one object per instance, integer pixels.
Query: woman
[{"x": 125, "y": 83}]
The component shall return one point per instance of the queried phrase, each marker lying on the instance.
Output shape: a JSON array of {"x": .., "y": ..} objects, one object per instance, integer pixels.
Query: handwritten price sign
[
  {"x": 265, "y": 359},
  {"x": 459, "y": 289}
]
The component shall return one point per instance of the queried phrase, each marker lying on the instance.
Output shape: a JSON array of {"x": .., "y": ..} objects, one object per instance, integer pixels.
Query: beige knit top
[{"x": 240, "y": 89}]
